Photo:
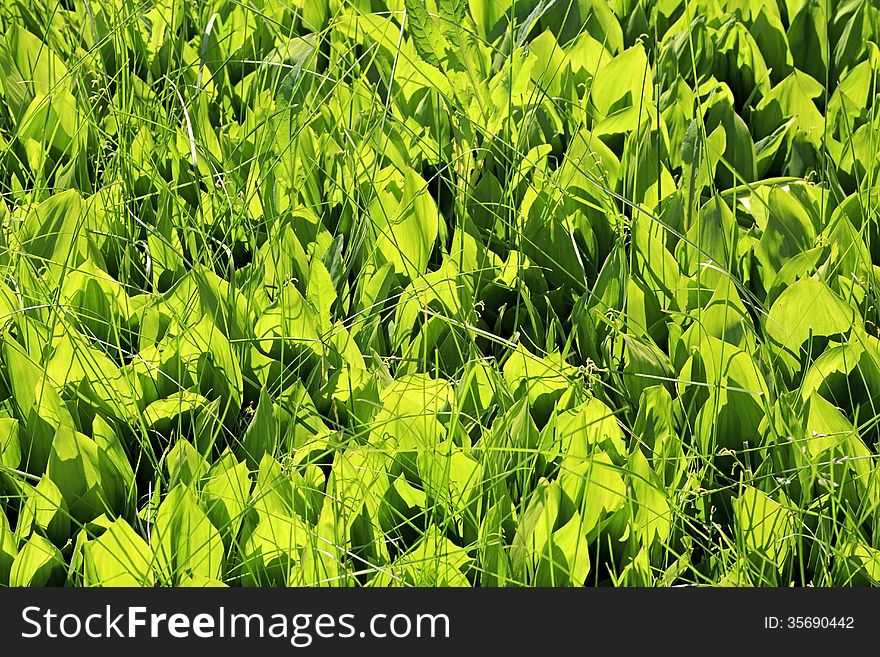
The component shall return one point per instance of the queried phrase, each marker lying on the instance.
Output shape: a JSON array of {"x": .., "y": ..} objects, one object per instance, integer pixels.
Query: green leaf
[
  {"x": 791, "y": 98},
  {"x": 712, "y": 238},
  {"x": 10, "y": 445},
  {"x": 764, "y": 530},
  {"x": 405, "y": 223},
  {"x": 622, "y": 92},
  {"x": 119, "y": 557},
  {"x": 273, "y": 549},
  {"x": 857, "y": 564},
  {"x": 450, "y": 476},
  {"x": 732, "y": 399},
  {"x": 8, "y": 549},
  {"x": 74, "y": 465},
  {"x": 847, "y": 374},
  {"x": 595, "y": 488},
  {"x": 38, "y": 563},
  {"x": 542, "y": 380},
  {"x": 226, "y": 493},
  {"x": 490, "y": 17},
  {"x": 423, "y": 31},
  {"x": 807, "y": 309},
  {"x": 45, "y": 512},
  {"x": 29, "y": 67},
  {"x": 578, "y": 432},
  {"x": 185, "y": 465},
  {"x": 38, "y": 407},
  {"x": 116, "y": 474},
  {"x": 262, "y": 435},
  {"x": 534, "y": 532},
  {"x": 54, "y": 235},
  {"x": 565, "y": 560},
  {"x": 690, "y": 147},
  {"x": 434, "y": 561},
  {"x": 184, "y": 540},
  {"x": 787, "y": 232},
  {"x": 570, "y": 19},
  {"x": 654, "y": 515},
  {"x": 808, "y": 37},
  {"x": 739, "y": 62},
  {"x": 321, "y": 293}
]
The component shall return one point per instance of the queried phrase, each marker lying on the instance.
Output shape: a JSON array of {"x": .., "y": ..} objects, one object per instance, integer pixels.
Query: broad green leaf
[
  {"x": 45, "y": 512},
  {"x": 8, "y": 549},
  {"x": 53, "y": 234},
  {"x": 29, "y": 67},
  {"x": 792, "y": 98},
  {"x": 622, "y": 92},
  {"x": 725, "y": 383},
  {"x": 74, "y": 465},
  {"x": 857, "y": 564},
  {"x": 595, "y": 488},
  {"x": 272, "y": 550},
  {"x": 424, "y": 37},
  {"x": 38, "y": 405},
  {"x": 262, "y": 435},
  {"x": 119, "y": 557},
  {"x": 185, "y": 465},
  {"x": 10, "y": 445},
  {"x": 578, "y": 432},
  {"x": 226, "y": 493},
  {"x": 404, "y": 221},
  {"x": 787, "y": 232},
  {"x": 116, "y": 473},
  {"x": 542, "y": 380},
  {"x": 200, "y": 581},
  {"x": 739, "y": 62},
  {"x": 764, "y": 530},
  {"x": 565, "y": 560},
  {"x": 568, "y": 20},
  {"x": 808, "y": 37},
  {"x": 806, "y": 310},
  {"x": 38, "y": 563},
  {"x": 449, "y": 475},
  {"x": 490, "y": 16},
  {"x": 183, "y": 539},
  {"x": 653, "y": 519},
  {"x": 434, "y": 561},
  {"x": 537, "y": 525}
]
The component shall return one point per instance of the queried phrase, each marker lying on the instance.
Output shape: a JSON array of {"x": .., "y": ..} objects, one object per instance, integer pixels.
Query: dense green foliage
[{"x": 439, "y": 292}]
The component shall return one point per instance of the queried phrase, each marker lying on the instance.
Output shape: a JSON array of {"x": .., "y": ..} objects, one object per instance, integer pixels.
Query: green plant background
[{"x": 439, "y": 292}]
